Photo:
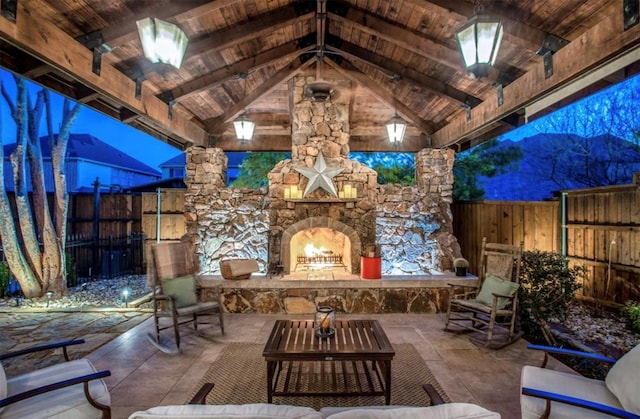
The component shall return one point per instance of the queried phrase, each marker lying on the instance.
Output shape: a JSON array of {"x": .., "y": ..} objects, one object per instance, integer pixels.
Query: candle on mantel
[
  {"x": 287, "y": 192},
  {"x": 294, "y": 192},
  {"x": 354, "y": 192},
  {"x": 347, "y": 190},
  {"x": 341, "y": 194}
]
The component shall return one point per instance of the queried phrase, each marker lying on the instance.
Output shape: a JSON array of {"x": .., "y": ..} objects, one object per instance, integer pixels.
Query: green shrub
[
  {"x": 548, "y": 286},
  {"x": 70, "y": 269},
  {"x": 5, "y": 277},
  {"x": 632, "y": 315}
]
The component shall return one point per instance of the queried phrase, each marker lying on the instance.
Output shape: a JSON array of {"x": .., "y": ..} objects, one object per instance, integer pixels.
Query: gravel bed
[{"x": 102, "y": 293}]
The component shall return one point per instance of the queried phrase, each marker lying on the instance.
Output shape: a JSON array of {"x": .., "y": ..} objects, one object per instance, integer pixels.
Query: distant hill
[{"x": 552, "y": 163}]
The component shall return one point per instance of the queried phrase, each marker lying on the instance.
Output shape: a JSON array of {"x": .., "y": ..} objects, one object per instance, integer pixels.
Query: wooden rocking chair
[
  {"x": 175, "y": 296},
  {"x": 494, "y": 301}
]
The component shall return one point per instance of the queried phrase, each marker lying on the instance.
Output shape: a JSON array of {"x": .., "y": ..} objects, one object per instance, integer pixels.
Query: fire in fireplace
[
  {"x": 318, "y": 258},
  {"x": 318, "y": 248}
]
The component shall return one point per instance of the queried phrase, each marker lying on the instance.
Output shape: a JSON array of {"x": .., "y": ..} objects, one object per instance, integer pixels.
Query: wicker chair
[
  {"x": 175, "y": 295},
  {"x": 494, "y": 301}
]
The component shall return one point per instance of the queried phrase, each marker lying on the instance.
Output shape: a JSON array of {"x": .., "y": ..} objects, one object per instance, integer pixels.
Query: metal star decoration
[{"x": 320, "y": 176}]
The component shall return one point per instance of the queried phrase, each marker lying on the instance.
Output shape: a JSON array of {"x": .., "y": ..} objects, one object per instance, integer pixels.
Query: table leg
[
  {"x": 387, "y": 382},
  {"x": 271, "y": 366}
]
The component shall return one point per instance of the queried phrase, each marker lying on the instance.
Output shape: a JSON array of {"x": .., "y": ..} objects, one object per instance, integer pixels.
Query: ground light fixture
[
  {"x": 162, "y": 42},
  {"x": 479, "y": 41},
  {"x": 125, "y": 297},
  {"x": 395, "y": 129}
]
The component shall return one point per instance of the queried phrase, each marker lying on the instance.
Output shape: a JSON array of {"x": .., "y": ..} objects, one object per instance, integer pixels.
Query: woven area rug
[{"x": 240, "y": 376}]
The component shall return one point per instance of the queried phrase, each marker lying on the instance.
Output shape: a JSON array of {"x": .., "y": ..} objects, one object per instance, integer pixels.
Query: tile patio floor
[{"x": 143, "y": 377}]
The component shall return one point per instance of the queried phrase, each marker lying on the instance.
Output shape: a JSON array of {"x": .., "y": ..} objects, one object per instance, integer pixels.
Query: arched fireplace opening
[{"x": 320, "y": 240}]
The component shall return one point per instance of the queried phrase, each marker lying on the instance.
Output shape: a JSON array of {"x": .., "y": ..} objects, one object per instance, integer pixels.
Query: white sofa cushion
[
  {"x": 442, "y": 411},
  {"x": 567, "y": 384},
  {"x": 66, "y": 403},
  {"x": 257, "y": 410},
  {"x": 623, "y": 380}
]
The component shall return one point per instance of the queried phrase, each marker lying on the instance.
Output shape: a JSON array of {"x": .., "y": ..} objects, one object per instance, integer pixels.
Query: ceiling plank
[
  {"x": 351, "y": 51},
  {"x": 265, "y": 25},
  {"x": 396, "y": 35},
  {"x": 232, "y": 71},
  {"x": 382, "y": 94},
  {"x": 35, "y": 34},
  {"x": 216, "y": 125},
  {"x": 599, "y": 44}
]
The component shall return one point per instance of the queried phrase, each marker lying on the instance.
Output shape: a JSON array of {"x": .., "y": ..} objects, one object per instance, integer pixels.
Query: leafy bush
[
  {"x": 548, "y": 286},
  {"x": 5, "y": 277},
  {"x": 632, "y": 315}
]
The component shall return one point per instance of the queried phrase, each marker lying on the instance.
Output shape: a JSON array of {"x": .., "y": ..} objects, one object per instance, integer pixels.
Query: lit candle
[
  {"x": 354, "y": 192},
  {"x": 347, "y": 190},
  {"x": 325, "y": 327},
  {"x": 294, "y": 192},
  {"x": 340, "y": 194},
  {"x": 287, "y": 193}
]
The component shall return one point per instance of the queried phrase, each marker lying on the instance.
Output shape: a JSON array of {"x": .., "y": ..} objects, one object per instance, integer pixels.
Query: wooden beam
[
  {"x": 215, "y": 125},
  {"x": 209, "y": 80},
  {"x": 35, "y": 34},
  {"x": 381, "y": 94},
  {"x": 352, "y": 51},
  {"x": 596, "y": 46},
  {"x": 125, "y": 30}
]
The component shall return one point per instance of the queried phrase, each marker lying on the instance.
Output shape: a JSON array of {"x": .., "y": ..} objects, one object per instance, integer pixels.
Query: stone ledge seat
[{"x": 238, "y": 268}]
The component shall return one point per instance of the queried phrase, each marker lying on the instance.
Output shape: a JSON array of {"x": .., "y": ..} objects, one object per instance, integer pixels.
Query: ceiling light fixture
[
  {"x": 162, "y": 42},
  {"x": 395, "y": 129},
  {"x": 479, "y": 40},
  {"x": 244, "y": 126}
]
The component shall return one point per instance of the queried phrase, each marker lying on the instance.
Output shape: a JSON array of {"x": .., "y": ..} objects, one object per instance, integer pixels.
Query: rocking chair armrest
[
  {"x": 574, "y": 401},
  {"x": 201, "y": 395},
  {"x": 54, "y": 386},
  {"x": 436, "y": 399},
  {"x": 46, "y": 347},
  {"x": 509, "y": 296},
  {"x": 580, "y": 354}
]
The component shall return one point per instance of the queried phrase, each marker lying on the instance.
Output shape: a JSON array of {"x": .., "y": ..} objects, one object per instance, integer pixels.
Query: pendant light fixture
[
  {"x": 162, "y": 42},
  {"x": 396, "y": 125},
  {"x": 479, "y": 41},
  {"x": 243, "y": 126}
]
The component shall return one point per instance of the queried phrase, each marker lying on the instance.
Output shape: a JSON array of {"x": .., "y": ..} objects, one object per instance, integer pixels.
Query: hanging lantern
[
  {"x": 479, "y": 41},
  {"x": 244, "y": 128},
  {"x": 395, "y": 129},
  {"x": 162, "y": 41}
]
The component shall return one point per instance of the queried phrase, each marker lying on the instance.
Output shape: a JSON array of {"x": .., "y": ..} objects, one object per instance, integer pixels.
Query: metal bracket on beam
[
  {"x": 468, "y": 109},
  {"x": 9, "y": 9},
  {"x": 499, "y": 92},
  {"x": 550, "y": 46},
  {"x": 427, "y": 141},
  {"x": 95, "y": 42},
  {"x": 171, "y": 105},
  {"x": 630, "y": 11},
  {"x": 212, "y": 141},
  {"x": 139, "y": 81}
]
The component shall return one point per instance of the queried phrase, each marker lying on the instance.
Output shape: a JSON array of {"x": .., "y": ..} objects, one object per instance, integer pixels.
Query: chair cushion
[
  {"x": 3, "y": 385},
  {"x": 623, "y": 380},
  {"x": 65, "y": 403},
  {"x": 183, "y": 289},
  {"x": 257, "y": 410},
  {"x": 563, "y": 383},
  {"x": 442, "y": 411},
  {"x": 494, "y": 285}
]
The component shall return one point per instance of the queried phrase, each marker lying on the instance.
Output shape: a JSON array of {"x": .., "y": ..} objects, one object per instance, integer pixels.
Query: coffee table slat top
[{"x": 296, "y": 339}]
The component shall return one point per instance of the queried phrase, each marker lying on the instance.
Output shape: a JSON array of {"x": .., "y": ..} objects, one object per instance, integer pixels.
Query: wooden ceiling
[{"x": 399, "y": 55}]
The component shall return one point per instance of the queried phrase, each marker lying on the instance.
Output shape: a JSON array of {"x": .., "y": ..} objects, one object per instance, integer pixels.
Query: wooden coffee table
[{"x": 355, "y": 361}]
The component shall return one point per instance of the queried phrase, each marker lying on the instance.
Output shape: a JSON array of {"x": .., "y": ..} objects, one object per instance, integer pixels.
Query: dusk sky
[{"x": 139, "y": 145}]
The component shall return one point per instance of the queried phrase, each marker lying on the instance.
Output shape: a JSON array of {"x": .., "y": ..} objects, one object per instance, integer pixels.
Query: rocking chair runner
[
  {"x": 494, "y": 301},
  {"x": 175, "y": 296}
]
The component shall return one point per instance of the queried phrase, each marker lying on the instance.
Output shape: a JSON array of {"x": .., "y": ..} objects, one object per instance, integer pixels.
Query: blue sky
[{"x": 139, "y": 145}]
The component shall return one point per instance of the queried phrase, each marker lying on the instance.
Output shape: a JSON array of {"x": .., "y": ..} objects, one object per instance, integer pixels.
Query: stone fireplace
[{"x": 340, "y": 214}]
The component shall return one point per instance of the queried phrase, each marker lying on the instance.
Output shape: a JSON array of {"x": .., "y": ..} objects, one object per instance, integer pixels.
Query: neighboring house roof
[
  {"x": 234, "y": 159},
  {"x": 179, "y": 160},
  {"x": 88, "y": 147}
]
